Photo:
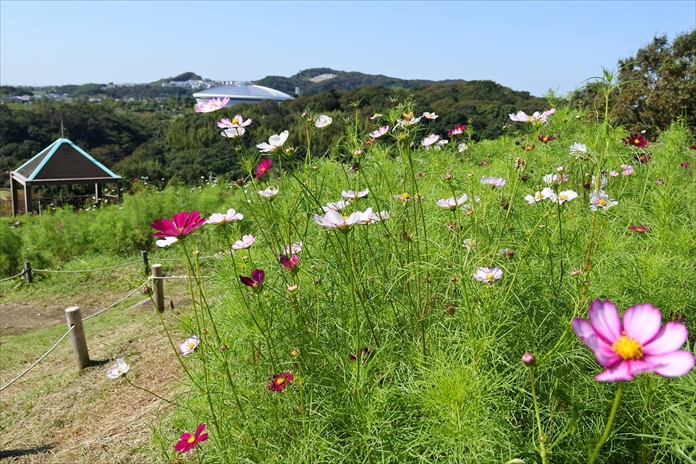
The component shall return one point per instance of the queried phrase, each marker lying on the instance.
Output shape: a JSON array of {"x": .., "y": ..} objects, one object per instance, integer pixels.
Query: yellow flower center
[
  {"x": 637, "y": 141},
  {"x": 405, "y": 196},
  {"x": 408, "y": 116},
  {"x": 563, "y": 197},
  {"x": 627, "y": 348},
  {"x": 180, "y": 229},
  {"x": 235, "y": 121},
  {"x": 191, "y": 440},
  {"x": 191, "y": 345},
  {"x": 602, "y": 202},
  {"x": 489, "y": 276},
  {"x": 539, "y": 196},
  {"x": 280, "y": 381}
]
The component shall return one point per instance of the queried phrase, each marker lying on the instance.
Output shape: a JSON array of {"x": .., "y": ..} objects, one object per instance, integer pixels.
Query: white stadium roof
[{"x": 242, "y": 93}]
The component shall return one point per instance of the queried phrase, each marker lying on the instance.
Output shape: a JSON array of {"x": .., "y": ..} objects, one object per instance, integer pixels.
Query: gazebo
[{"x": 61, "y": 163}]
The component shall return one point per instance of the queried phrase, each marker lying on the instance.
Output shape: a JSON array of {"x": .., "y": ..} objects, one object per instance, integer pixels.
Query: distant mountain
[{"x": 315, "y": 80}]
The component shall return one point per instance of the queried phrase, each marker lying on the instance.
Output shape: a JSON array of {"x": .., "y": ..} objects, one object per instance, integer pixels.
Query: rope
[
  {"x": 39, "y": 360},
  {"x": 122, "y": 299},
  {"x": 175, "y": 277},
  {"x": 90, "y": 270},
  {"x": 13, "y": 277}
]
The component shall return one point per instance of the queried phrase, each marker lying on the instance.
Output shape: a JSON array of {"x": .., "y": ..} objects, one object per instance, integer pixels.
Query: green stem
[
  {"x": 150, "y": 392},
  {"x": 610, "y": 422},
  {"x": 542, "y": 437}
]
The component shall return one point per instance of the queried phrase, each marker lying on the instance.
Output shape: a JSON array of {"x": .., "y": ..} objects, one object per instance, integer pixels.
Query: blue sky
[{"x": 524, "y": 45}]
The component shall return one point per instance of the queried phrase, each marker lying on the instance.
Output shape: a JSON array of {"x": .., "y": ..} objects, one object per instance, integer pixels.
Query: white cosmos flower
[
  {"x": 497, "y": 182},
  {"x": 189, "y": 345},
  {"x": 544, "y": 194},
  {"x": 600, "y": 199},
  {"x": 274, "y": 142},
  {"x": 333, "y": 220},
  {"x": 336, "y": 205},
  {"x": 245, "y": 242},
  {"x": 293, "y": 249},
  {"x": 352, "y": 194},
  {"x": 237, "y": 121},
  {"x": 379, "y": 132},
  {"x": 462, "y": 147},
  {"x": 120, "y": 369},
  {"x": 452, "y": 203},
  {"x": 578, "y": 149},
  {"x": 322, "y": 121},
  {"x": 165, "y": 242},
  {"x": 565, "y": 195},
  {"x": 233, "y": 132},
  {"x": 488, "y": 274},
  {"x": 429, "y": 140},
  {"x": 430, "y": 116},
  {"x": 269, "y": 192},
  {"x": 219, "y": 218},
  {"x": 470, "y": 244},
  {"x": 370, "y": 217}
]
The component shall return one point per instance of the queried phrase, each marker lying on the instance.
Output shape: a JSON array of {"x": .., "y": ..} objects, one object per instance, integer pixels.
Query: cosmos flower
[
  {"x": 642, "y": 158},
  {"x": 578, "y": 149},
  {"x": 280, "y": 381},
  {"x": 246, "y": 242},
  {"x": 544, "y": 194},
  {"x": 637, "y": 345},
  {"x": 333, "y": 220},
  {"x": 496, "y": 182},
  {"x": 639, "y": 229},
  {"x": 546, "y": 138},
  {"x": 352, "y": 194},
  {"x": 636, "y": 140},
  {"x": 535, "y": 118},
  {"x": 429, "y": 140},
  {"x": 488, "y": 274},
  {"x": 684, "y": 165},
  {"x": 452, "y": 202},
  {"x": 379, "y": 132},
  {"x": 254, "y": 280},
  {"x": 294, "y": 248},
  {"x": 322, "y": 121},
  {"x": 237, "y": 121},
  {"x": 189, "y": 345},
  {"x": 233, "y": 132},
  {"x": 370, "y": 217},
  {"x": 219, "y": 218},
  {"x": 627, "y": 170},
  {"x": 565, "y": 195},
  {"x": 336, "y": 205},
  {"x": 408, "y": 121},
  {"x": 179, "y": 226},
  {"x": 600, "y": 199},
  {"x": 555, "y": 179},
  {"x": 211, "y": 105},
  {"x": 431, "y": 116},
  {"x": 263, "y": 167},
  {"x": 165, "y": 242},
  {"x": 120, "y": 369},
  {"x": 470, "y": 244},
  {"x": 375, "y": 116},
  {"x": 269, "y": 192},
  {"x": 462, "y": 147},
  {"x": 274, "y": 142},
  {"x": 292, "y": 262},
  {"x": 187, "y": 442},
  {"x": 459, "y": 129}
]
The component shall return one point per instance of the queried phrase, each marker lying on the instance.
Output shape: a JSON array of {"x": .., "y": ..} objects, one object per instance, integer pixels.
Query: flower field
[{"x": 419, "y": 297}]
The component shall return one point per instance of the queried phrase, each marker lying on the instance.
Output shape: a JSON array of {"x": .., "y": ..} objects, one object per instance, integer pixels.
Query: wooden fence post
[
  {"x": 143, "y": 255},
  {"x": 77, "y": 337},
  {"x": 158, "y": 285},
  {"x": 27, "y": 272}
]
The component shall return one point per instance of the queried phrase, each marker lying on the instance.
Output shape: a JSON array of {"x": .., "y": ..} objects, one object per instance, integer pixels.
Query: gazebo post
[
  {"x": 14, "y": 195},
  {"x": 97, "y": 192},
  {"x": 27, "y": 198}
]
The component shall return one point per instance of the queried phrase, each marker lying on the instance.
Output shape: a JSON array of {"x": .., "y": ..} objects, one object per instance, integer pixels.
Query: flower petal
[
  {"x": 670, "y": 338},
  {"x": 674, "y": 364},
  {"x": 605, "y": 355},
  {"x": 620, "y": 371},
  {"x": 642, "y": 322},
  {"x": 605, "y": 320}
]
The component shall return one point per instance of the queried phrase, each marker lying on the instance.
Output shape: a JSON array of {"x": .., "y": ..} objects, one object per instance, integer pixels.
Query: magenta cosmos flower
[
  {"x": 211, "y": 105},
  {"x": 179, "y": 226},
  {"x": 292, "y": 262},
  {"x": 280, "y": 381},
  {"x": 263, "y": 167},
  {"x": 638, "y": 344},
  {"x": 255, "y": 280},
  {"x": 187, "y": 441},
  {"x": 459, "y": 129}
]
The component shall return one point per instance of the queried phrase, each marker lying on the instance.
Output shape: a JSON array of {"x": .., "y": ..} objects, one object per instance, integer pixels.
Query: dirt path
[{"x": 54, "y": 415}]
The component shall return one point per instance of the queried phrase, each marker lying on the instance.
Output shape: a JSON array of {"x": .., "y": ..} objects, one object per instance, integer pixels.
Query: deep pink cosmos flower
[
  {"x": 637, "y": 345},
  {"x": 636, "y": 140},
  {"x": 685, "y": 164},
  {"x": 642, "y": 158},
  {"x": 546, "y": 138},
  {"x": 182, "y": 224},
  {"x": 187, "y": 441},
  {"x": 639, "y": 229},
  {"x": 263, "y": 167},
  {"x": 459, "y": 129},
  {"x": 255, "y": 280},
  {"x": 280, "y": 381},
  {"x": 292, "y": 263}
]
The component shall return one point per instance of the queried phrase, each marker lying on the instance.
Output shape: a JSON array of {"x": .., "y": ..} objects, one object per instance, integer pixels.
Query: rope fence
[
  {"x": 89, "y": 270},
  {"x": 13, "y": 277}
]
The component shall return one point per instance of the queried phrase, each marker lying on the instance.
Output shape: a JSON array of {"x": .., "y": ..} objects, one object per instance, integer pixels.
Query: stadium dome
[{"x": 242, "y": 93}]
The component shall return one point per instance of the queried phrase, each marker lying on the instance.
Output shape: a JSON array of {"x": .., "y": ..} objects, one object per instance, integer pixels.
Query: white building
[{"x": 242, "y": 93}]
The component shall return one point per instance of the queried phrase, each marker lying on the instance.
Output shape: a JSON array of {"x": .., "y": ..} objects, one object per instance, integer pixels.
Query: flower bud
[{"x": 528, "y": 359}]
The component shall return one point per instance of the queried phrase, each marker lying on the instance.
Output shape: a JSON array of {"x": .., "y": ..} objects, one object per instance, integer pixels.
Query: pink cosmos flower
[
  {"x": 280, "y": 381},
  {"x": 637, "y": 345},
  {"x": 245, "y": 242},
  {"x": 685, "y": 164},
  {"x": 292, "y": 263},
  {"x": 189, "y": 345},
  {"x": 627, "y": 170},
  {"x": 237, "y": 121},
  {"x": 333, "y": 220},
  {"x": 488, "y": 274},
  {"x": 496, "y": 182},
  {"x": 211, "y": 105},
  {"x": 294, "y": 248},
  {"x": 187, "y": 441},
  {"x": 254, "y": 280},
  {"x": 459, "y": 129},
  {"x": 379, "y": 132},
  {"x": 182, "y": 224},
  {"x": 263, "y": 167},
  {"x": 429, "y": 140}
]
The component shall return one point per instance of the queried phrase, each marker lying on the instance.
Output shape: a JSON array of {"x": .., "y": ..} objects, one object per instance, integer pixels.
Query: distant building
[{"x": 242, "y": 93}]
